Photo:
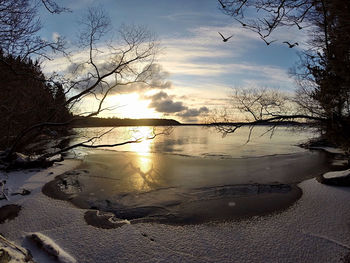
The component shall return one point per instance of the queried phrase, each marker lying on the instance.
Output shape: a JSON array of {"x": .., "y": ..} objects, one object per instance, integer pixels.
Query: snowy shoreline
[{"x": 314, "y": 229}]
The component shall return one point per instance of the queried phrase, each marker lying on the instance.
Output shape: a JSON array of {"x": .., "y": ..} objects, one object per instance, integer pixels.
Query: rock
[
  {"x": 4, "y": 256},
  {"x": 51, "y": 248},
  {"x": 10, "y": 252},
  {"x": 336, "y": 178},
  {"x": 20, "y": 158},
  {"x": 55, "y": 158}
]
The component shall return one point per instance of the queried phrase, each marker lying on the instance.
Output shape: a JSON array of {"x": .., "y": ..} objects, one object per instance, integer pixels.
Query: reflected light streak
[
  {"x": 142, "y": 148},
  {"x": 143, "y": 178}
]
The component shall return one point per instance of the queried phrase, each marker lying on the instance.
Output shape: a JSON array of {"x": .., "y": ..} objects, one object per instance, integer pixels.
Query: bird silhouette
[
  {"x": 268, "y": 43},
  {"x": 291, "y": 45},
  {"x": 222, "y": 5},
  {"x": 224, "y": 38}
]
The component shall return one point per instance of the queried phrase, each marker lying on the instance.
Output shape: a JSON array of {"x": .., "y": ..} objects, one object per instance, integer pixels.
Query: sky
[{"x": 200, "y": 70}]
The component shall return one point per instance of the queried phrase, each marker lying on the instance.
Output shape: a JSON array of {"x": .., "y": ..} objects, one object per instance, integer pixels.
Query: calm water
[
  {"x": 191, "y": 175},
  {"x": 203, "y": 142},
  {"x": 196, "y": 157}
]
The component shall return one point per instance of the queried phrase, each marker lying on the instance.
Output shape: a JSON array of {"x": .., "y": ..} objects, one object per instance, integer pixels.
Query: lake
[
  {"x": 201, "y": 141},
  {"x": 191, "y": 175}
]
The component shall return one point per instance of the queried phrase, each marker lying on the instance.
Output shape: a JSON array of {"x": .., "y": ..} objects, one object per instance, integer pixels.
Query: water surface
[
  {"x": 189, "y": 176},
  {"x": 202, "y": 141}
]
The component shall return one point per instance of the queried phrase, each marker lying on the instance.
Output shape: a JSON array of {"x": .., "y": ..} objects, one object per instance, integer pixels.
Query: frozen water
[{"x": 315, "y": 229}]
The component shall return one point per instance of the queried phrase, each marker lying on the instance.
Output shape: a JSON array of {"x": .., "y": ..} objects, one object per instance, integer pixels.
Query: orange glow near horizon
[{"x": 129, "y": 106}]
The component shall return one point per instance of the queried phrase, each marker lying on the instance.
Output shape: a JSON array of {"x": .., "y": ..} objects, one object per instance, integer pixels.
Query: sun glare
[
  {"x": 130, "y": 106},
  {"x": 142, "y": 148},
  {"x": 143, "y": 178}
]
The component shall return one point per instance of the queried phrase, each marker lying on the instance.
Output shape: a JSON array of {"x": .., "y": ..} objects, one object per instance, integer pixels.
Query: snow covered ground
[{"x": 315, "y": 229}]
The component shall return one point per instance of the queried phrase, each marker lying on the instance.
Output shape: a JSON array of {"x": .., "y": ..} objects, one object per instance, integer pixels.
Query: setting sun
[{"x": 130, "y": 106}]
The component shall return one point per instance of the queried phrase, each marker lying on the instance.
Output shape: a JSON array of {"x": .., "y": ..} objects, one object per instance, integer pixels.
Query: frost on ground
[{"x": 315, "y": 229}]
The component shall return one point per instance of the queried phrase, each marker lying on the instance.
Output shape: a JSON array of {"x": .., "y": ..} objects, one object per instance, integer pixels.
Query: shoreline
[{"x": 293, "y": 233}]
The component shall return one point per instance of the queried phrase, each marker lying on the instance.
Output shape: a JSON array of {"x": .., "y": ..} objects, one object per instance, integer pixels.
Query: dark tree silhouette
[
  {"x": 19, "y": 27},
  {"x": 26, "y": 99},
  {"x": 322, "y": 75},
  {"x": 103, "y": 65}
]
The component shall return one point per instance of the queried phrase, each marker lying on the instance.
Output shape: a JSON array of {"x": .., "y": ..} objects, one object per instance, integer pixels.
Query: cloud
[
  {"x": 55, "y": 36},
  {"x": 193, "y": 112},
  {"x": 161, "y": 102},
  {"x": 192, "y": 17},
  {"x": 168, "y": 106},
  {"x": 202, "y": 54},
  {"x": 156, "y": 76},
  {"x": 159, "y": 96},
  {"x": 165, "y": 104},
  {"x": 197, "y": 63}
]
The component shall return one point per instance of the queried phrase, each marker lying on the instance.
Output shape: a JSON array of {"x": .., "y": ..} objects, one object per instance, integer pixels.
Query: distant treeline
[
  {"x": 81, "y": 122},
  {"x": 262, "y": 123},
  {"x": 110, "y": 122}
]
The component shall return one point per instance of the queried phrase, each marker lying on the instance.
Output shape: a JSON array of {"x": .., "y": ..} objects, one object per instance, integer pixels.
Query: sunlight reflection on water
[
  {"x": 203, "y": 142},
  {"x": 143, "y": 148},
  {"x": 167, "y": 170},
  {"x": 159, "y": 163},
  {"x": 142, "y": 177}
]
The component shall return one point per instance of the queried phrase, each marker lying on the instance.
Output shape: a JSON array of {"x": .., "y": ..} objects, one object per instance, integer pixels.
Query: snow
[
  {"x": 315, "y": 229},
  {"x": 336, "y": 174},
  {"x": 330, "y": 150},
  {"x": 341, "y": 163}
]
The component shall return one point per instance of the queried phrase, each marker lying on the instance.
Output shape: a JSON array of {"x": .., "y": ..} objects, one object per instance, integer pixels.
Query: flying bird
[
  {"x": 291, "y": 45},
  {"x": 268, "y": 43},
  {"x": 223, "y": 6},
  {"x": 224, "y": 38}
]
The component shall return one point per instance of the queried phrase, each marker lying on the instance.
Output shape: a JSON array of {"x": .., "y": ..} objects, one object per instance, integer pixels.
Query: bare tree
[
  {"x": 99, "y": 67},
  {"x": 272, "y": 14},
  {"x": 261, "y": 106},
  {"x": 19, "y": 27},
  {"x": 53, "y": 7},
  {"x": 322, "y": 73}
]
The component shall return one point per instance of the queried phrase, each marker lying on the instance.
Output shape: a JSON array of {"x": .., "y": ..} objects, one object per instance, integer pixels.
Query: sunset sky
[{"x": 200, "y": 67}]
